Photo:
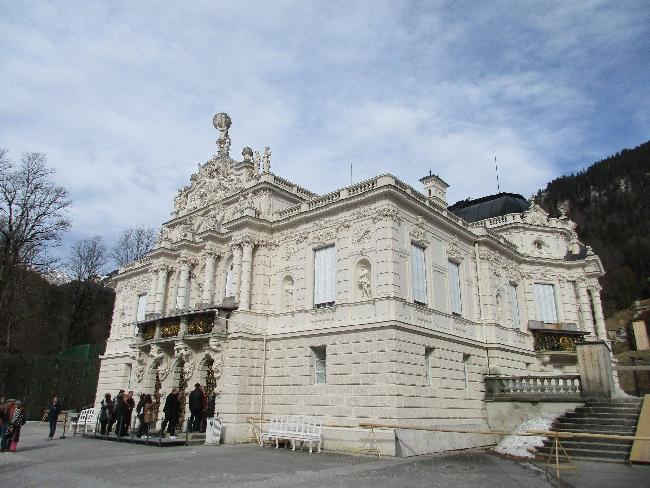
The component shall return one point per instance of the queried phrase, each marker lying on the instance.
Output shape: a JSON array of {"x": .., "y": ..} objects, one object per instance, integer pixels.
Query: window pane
[
  {"x": 454, "y": 287},
  {"x": 418, "y": 274},
  {"x": 514, "y": 307},
  {"x": 545, "y": 300},
  {"x": 229, "y": 274},
  {"x": 142, "y": 308},
  {"x": 325, "y": 275},
  {"x": 319, "y": 355}
]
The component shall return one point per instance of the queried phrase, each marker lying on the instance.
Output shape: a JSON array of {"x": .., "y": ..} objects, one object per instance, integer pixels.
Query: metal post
[
  {"x": 65, "y": 421},
  {"x": 635, "y": 374}
]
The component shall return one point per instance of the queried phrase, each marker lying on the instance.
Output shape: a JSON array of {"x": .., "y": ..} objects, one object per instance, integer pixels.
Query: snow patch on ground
[{"x": 521, "y": 446}]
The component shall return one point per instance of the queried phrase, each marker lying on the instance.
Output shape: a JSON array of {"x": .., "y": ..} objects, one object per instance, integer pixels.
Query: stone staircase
[{"x": 605, "y": 416}]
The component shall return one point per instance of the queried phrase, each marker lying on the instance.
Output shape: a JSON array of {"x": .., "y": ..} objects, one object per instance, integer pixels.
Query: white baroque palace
[{"x": 375, "y": 302}]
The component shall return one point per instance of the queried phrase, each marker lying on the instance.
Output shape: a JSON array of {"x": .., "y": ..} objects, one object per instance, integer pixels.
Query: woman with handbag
[
  {"x": 17, "y": 421},
  {"x": 6, "y": 413}
]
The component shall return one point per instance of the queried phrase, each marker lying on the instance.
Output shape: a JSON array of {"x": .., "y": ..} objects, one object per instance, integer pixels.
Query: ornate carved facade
[{"x": 255, "y": 282}]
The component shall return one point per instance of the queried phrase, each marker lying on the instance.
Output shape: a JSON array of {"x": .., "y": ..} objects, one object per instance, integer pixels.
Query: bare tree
[
  {"x": 133, "y": 244},
  {"x": 87, "y": 260},
  {"x": 32, "y": 218}
]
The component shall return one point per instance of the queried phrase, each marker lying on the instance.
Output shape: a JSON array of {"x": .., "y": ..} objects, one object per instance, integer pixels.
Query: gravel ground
[{"x": 88, "y": 463}]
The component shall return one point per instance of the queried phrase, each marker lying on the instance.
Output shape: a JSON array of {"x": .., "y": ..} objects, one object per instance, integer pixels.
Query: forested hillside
[{"x": 610, "y": 202}]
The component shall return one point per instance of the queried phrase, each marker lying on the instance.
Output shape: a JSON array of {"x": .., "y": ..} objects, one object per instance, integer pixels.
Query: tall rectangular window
[
  {"x": 319, "y": 357},
  {"x": 514, "y": 306},
  {"x": 142, "y": 307},
  {"x": 545, "y": 301},
  {"x": 418, "y": 275},
  {"x": 428, "y": 364},
  {"x": 454, "y": 288},
  {"x": 229, "y": 292},
  {"x": 325, "y": 277}
]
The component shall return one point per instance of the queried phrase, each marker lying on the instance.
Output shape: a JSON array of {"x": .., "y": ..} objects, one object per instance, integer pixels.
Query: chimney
[{"x": 435, "y": 189}]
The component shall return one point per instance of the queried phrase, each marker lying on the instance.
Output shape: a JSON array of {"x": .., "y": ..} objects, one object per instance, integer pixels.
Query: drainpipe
[
  {"x": 263, "y": 378},
  {"x": 477, "y": 261}
]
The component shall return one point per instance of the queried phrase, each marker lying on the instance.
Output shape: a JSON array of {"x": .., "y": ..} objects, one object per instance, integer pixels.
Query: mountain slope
[{"x": 610, "y": 202}]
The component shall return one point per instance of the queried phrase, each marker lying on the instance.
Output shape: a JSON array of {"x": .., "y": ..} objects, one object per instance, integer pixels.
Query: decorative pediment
[{"x": 535, "y": 215}]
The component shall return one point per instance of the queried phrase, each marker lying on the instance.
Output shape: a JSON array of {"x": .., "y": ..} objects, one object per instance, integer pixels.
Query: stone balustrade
[{"x": 533, "y": 388}]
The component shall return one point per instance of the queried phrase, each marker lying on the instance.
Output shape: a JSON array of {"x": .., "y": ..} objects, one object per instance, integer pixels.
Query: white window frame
[
  {"x": 418, "y": 274},
  {"x": 515, "y": 319},
  {"x": 428, "y": 364},
  {"x": 546, "y": 303},
  {"x": 325, "y": 276},
  {"x": 229, "y": 291},
  {"x": 141, "y": 307},
  {"x": 319, "y": 360},
  {"x": 455, "y": 293}
]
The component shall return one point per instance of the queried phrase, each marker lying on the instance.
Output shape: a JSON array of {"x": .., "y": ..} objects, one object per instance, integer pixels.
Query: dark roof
[{"x": 490, "y": 206}]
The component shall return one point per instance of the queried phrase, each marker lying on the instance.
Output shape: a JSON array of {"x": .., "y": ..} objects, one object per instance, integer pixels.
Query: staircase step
[
  {"x": 598, "y": 420},
  {"x": 614, "y": 404},
  {"x": 594, "y": 430},
  {"x": 588, "y": 413},
  {"x": 608, "y": 409},
  {"x": 585, "y": 453},
  {"x": 599, "y": 445}
]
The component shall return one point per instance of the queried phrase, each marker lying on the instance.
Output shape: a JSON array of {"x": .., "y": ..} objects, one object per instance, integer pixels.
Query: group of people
[
  {"x": 201, "y": 407},
  {"x": 118, "y": 412},
  {"x": 12, "y": 418}
]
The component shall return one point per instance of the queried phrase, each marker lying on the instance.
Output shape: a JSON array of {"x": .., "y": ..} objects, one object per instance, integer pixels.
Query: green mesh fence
[{"x": 37, "y": 379}]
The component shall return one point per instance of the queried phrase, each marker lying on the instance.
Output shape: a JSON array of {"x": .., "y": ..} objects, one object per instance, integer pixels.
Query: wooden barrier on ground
[
  {"x": 641, "y": 448},
  {"x": 554, "y": 457}
]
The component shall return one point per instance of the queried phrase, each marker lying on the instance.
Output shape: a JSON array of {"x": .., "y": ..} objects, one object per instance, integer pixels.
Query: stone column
[
  {"x": 183, "y": 279},
  {"x": 387, "y": 222},
  {"x": 236, "y": 271},
  {"x": 601, "y": 330},
  {"x": 208, "y": 277},
  {"x": 161, "y": 288},
  {"x": 584, "y": 307},
  {"x": 219, "y": 279},
  {"x": 151, "y": 294},
  {"x": 246, "y": 268}
]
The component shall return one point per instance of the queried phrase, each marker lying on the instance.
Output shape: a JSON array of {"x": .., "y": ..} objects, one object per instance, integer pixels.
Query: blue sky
[{"x": 120, "y": 96}]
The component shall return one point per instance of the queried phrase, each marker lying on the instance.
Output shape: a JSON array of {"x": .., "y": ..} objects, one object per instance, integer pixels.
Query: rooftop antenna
[
  {"x": 496, "y": 169},
  {"x": 350, "y": 174}
]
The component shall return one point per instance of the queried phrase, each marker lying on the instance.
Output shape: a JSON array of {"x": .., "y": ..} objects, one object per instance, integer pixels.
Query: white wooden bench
[
  {"x": 87, "y": 418},
  {"x": 294, "y": 428}
]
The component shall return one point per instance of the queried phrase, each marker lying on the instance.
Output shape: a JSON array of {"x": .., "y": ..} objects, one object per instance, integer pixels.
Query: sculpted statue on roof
[{"x": 217, "y": 178}]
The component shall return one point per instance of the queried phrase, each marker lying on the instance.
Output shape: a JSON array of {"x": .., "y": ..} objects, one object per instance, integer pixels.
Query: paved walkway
[{"x": 88, "y": 463}]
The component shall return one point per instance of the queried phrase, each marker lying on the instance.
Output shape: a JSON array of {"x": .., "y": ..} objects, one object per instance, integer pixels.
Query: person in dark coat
[
  {"x": 212, "y": 401},
  {"x": 53, "y": 411},
  {"x": 197, "y": 406},
  {"x": 118, "y": 412},
  {"x": 129, "y": 405},
  {"x": 139, "y": 413},
  {"x": 172, "y": 411},
  {"x": 105, "y": 414}
]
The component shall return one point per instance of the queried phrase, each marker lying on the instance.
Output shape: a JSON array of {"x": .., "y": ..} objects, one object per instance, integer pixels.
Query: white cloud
[{"x": 121, "y": 96}]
